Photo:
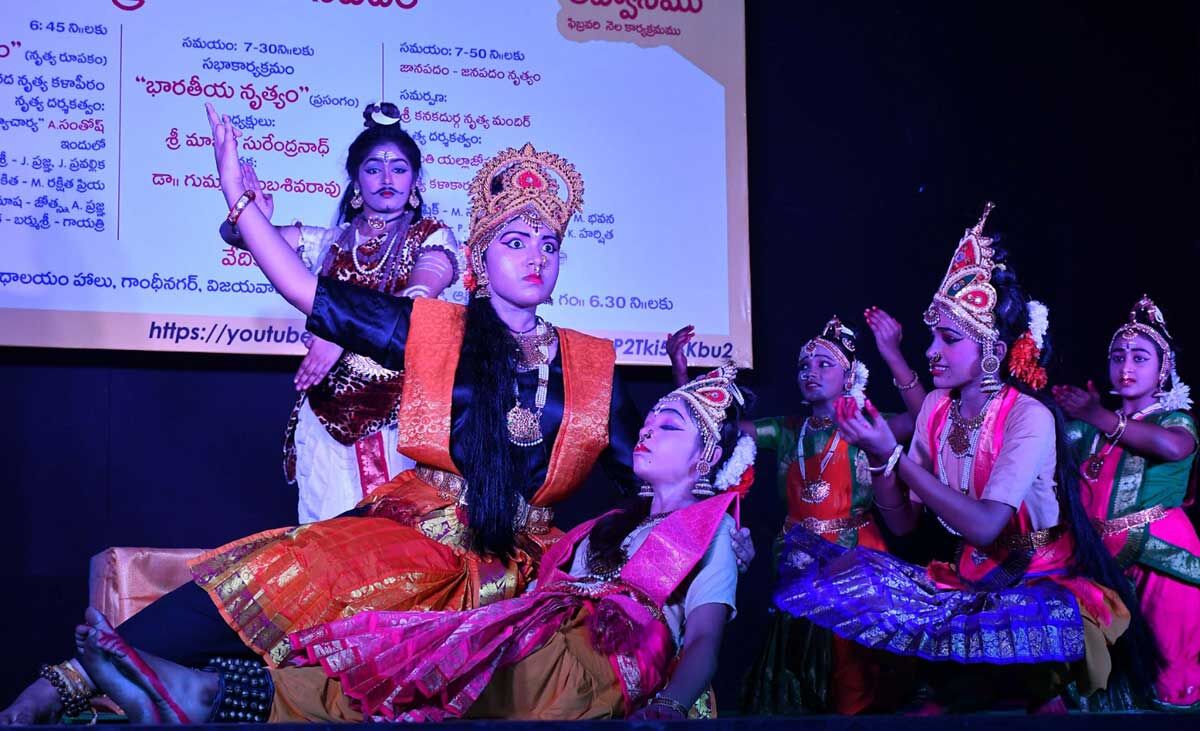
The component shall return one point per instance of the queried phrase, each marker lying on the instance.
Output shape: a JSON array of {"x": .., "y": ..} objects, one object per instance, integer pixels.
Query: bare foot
[
  {"x": 191, "y": 693},
  {"x": 37, "y": 704},
  {"x": 178, "y": 693},
  {"x": 96, "y": 653}
]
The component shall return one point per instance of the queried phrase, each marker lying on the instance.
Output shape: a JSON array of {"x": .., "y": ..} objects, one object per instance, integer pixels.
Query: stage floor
[{"x": 973, "y": 722}]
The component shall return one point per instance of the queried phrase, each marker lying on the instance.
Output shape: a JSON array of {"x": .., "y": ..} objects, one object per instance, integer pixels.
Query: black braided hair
[{"x": 1137, "y": 656}]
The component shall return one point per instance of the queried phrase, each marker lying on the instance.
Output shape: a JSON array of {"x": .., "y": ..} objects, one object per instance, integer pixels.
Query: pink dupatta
[
  {"x": 415, "y": 666},
  {"x": 983, "y": 565}
]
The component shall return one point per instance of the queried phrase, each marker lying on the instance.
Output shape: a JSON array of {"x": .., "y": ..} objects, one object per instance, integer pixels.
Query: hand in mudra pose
[{"x": 225, "y": 137}]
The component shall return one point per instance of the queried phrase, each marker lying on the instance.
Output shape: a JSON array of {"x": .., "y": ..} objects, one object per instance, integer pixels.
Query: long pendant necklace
[
  {"x": 1095, "y": 464},
  {"x": 962, "y": 430},
  {"x": 964, "y": 473},
  {"x": 816, "y": 490},
  {"x": 962, "y": 440},
  {"x": 524, "y": 425},
  {"x": 368, "y": 248}
]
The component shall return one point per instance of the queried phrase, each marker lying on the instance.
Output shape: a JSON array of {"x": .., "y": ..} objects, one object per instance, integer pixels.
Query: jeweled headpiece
[
  {"x": 838, "y": 339},
  {"x": 842, "y": 343},
  {"x": 966, "y": 293},
  {"x": 540, "y": 187},
  {"x": 707, "y": 397},
  {"x": 1147, "y": 319}
]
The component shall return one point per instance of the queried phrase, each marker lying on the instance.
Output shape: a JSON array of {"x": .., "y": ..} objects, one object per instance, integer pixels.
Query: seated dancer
[
  {"x": 827, "y": 488},
  {"x": 504, "y": 414},
  {"x": 1136, "y": 461},
  {"x": 1033, "y": 600},
  {"x": 627, "y": 616},
  {"x": 341, "y": 439}
]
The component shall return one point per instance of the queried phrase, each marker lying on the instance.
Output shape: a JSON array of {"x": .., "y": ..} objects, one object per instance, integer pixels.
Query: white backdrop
[{"x": 108, "y": 205}]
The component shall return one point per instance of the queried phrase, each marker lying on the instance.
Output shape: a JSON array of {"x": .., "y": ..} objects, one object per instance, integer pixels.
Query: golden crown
[
  {"x": 529, "y": 185},
  {"x": 707, "y": 397},
  {"x": 966, "y": 293},
  {"x": 527, "y": 179}
]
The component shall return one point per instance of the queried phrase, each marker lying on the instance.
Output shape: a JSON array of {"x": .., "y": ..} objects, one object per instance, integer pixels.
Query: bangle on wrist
[
  {"x": 1119, "y": 430},
  {"x": 235, "y": 212},
  {"x": 894, "y": 460},
  {"x": 916, "y": 381},
  {"x": 889, "y": 464}
]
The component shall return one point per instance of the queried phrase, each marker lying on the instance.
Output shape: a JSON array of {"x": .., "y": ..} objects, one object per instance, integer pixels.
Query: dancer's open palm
[
  {"x": 225, "y": 147},
  {"x": 865, "y": 428}
]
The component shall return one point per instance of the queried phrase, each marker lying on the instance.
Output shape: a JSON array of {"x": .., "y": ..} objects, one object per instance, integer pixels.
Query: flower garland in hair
[
  {"x": 858, "y": 383},
  {"x": 1024, "y": 360},
  {"x": 470, "y": 281},
  {"x": 737, "y": 474},
  {"x": 1179, "y": 398},
  {"x": 1039, "y": 323}
]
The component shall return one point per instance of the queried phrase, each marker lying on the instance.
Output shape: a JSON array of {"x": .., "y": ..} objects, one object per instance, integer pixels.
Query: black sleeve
[
  {"x": 361, "y": 320},
  {"x": 624, "y": 422}
]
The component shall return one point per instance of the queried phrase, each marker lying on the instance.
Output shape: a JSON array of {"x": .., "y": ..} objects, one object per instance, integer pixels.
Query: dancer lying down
[{"x": 626, "y": 619}]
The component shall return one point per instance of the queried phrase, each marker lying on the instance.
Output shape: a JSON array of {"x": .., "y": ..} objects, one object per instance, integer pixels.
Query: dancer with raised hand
[
  {"x": 340, "y": 441},
  {"x": 826, "y": 485},
  {"x": 1033, "y": 599},
  {"x": 504, "y": 414},
  {"x": 626, "y": 619},
  {"x": 1135, "y": 463}
]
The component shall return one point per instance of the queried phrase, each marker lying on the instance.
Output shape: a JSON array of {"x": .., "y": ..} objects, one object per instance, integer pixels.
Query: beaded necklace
[
  {"x": 962, "y": 440},
  {"x": 525, "y": 425},
  {"x": 817, "y": 489}
]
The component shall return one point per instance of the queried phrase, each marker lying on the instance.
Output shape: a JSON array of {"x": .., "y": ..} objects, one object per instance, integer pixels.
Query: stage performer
[
  {"x": 340, "y": 441},
  {"x": 826, "y": 484},
  {"x": 504, "y": 414},
  {"x": 1033, "y": 599},
  {"x": 1136, "y": 461},
  {"x": 827, "y": 488},
  {"x": 627, "y": 617}
]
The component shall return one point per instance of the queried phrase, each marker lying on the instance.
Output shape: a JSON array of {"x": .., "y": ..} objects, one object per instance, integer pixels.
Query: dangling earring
[
  {"x": 356, "y": 201},
  {"x": 1162, "y": 388},
  {"x": 991, "y": 366},
  {"x": 646, "y": 491},
  {"x": 482, "y": 290},
  {"x": 704, "y": 486},
  {"x": 414, "y": 200}
]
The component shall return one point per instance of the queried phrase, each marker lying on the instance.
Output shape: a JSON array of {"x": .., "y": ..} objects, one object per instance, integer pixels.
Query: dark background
[{"x": 877, "y": 131}]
